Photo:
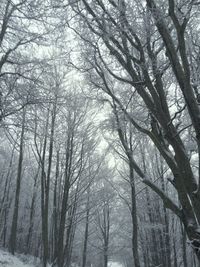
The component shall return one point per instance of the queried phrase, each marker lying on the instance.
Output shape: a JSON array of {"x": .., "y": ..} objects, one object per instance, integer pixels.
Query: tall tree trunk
[
  {"x": 32, "y": 213},
  {"x": 84, "y": 256},
  {"x": 45, "y": 184},
  {"x": 6, "y": 212},
  {"x": 166, "y": 220},
  {"x": 129, "y": 151},
  {"x": 8, "y": 175},
  {"x": 134, "y": 219},
  {"x": 60, "y": 251},
  {"x": 71, "y": 227},
  {"x": 184, "y": 249},
  {"x": 13, "y": 235},
  {"x": 174, "y": 244},
  {"x": 5, "y": 202},
  {"x": 55, "y": 210},
  {"x": 167, "y": 238},
  {"x": 43, "y": 204},
  {"x": 106, "y": 235},
  {"x": 69, "y": 242},
  {"x": 153, "y": 247}
]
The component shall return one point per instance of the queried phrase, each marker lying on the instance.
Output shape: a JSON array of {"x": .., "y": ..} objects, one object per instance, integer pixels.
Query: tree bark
[
  {"x": 32, "y": 213},
  {"x": 84, "y": 255},
  {"x": 13, "y": 235},
  {"x": 55, "y": 210},
  {"x": 134, "y": 219},
  {"x": 60, "y": 251}
]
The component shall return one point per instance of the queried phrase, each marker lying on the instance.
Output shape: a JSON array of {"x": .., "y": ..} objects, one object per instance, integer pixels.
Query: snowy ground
[
  {"x": 7, "y": 260},
  {"x": 114, "y": 264}
]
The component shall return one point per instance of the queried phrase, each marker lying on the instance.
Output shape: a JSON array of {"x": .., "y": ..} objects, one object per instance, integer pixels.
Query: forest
[{"x": 100, "y": 132}]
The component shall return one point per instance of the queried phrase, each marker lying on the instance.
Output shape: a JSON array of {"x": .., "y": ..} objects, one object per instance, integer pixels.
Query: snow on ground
[
  {"x": 114, "y": 264},
  {"x": 8, "y": 260},
  {"x": 20, "y": 260}
]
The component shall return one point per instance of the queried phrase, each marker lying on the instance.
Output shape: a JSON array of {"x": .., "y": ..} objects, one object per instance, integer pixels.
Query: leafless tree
[{"x": 152, "y": 57}]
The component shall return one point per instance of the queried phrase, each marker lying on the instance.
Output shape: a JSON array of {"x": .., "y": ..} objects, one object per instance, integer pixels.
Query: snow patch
[
  {"x": 8, "y": 260},
  {"x": 114, "y": 264}
]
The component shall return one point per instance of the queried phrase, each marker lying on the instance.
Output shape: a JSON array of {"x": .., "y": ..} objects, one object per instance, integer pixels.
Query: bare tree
[
  {"x": 20, "y": 66},
  {"x": 145, "y": 56}
]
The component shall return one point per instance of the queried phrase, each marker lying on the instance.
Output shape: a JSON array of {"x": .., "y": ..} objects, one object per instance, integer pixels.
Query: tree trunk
[
  {"x": 44, "y": 211},
  {"x": 60, "y": 251},
  {"x": 128, "y": 150},
  {"x": 55, "y": 210},
  {"x": 32, "y": 213},
  {"x": 6, "y": 202},
  {"x": 13, "y": 235},
  {"x": 134, "y": 220},
  {"x": 84, "y": 256},
  {"x": 184, "y": 249},
  {"x": 71, "y": 227}
]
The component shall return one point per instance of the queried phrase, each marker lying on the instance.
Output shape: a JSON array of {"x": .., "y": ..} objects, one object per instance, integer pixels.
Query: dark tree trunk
[
  {"x": 71, "y": 227},
  {"x": 84, "y": 256},
  {"x": 60, "y": 251},
  {"x": 134, "y": 220},
  {"x": 44, "y": 212},
  {"x": 55, "y": 210},
  {"x": 6, "y": 201},
  {"x": 184, "y": 249},
  {"x": 13, "y": 235},
  {"x": 32, "y": 213}
]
